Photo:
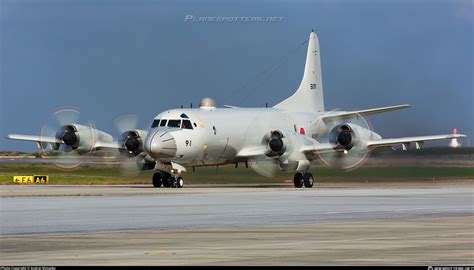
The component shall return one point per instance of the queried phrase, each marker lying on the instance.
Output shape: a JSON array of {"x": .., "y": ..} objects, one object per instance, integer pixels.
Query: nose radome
[{"x": 161, "y": 145}]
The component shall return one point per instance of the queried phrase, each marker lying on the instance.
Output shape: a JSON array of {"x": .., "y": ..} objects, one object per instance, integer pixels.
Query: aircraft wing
[
  {"x": 33, "y": 138},
  {"x": 367, "y": 112},
  {"x": 108, "y": 145},
  {"x": 321, "y": 148},
  {"x": 252, "y": 151},
  {"x": 404, "y": 141},
  {"x": 42, "y": 140},
  {"x": 407, "y": 140}
]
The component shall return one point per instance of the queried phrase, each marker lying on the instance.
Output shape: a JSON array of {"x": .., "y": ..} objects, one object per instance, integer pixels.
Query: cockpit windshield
[
  {"x": 174, "y": 123},
  {"x": 155, "y": 123},
  {"x": 186, "y": 124}
]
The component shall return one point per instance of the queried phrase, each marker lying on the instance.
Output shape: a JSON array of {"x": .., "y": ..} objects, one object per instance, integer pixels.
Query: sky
[{"x": 110, "y": 58}]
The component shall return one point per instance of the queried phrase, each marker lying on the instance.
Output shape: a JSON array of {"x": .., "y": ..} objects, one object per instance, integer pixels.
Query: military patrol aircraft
[{"x": 289, "y": 136}]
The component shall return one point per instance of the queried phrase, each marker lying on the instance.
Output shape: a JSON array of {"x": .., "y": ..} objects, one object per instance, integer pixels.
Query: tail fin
[{"x": 309, "y": 96}]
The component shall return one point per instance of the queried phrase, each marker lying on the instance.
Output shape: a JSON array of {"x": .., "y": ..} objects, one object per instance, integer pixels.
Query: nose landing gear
[
  {"x": 167, "y": 180},
  {"x": 305, "y": 179}
]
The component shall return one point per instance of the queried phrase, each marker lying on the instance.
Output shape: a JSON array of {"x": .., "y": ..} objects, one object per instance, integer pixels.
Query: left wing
[
  {"x": 381, "y": 143},
  {"x": 405, "y": 141}
]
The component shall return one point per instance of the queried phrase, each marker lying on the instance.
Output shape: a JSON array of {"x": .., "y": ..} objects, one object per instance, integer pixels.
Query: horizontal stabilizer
[{"x": 367, "y": 112}]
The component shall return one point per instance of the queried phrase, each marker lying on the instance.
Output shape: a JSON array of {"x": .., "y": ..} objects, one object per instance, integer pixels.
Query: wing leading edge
[
  {"x": 43, "y": 140},
  {"x": 407, "y": 140},
  {"x": 383, "y": 143}
]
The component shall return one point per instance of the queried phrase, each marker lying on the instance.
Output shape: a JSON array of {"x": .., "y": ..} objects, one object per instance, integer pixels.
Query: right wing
[
  {"x": 38, "y": 139},
  {"x": 43, "y": 140}
]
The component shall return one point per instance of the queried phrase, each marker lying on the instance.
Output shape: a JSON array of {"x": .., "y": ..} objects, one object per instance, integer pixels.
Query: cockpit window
[
  {"x": 186, "y": 124},
  {"x": 183, "y": 115},
  {"x": 155, "y": 123},
  {"x": 174, "y": 123},
  {"x": 163, "y": 122}
]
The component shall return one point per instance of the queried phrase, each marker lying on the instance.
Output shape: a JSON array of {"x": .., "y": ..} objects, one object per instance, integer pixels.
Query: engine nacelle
[
  {"x": 276, "y": 143},
  {"x": 132, "y": 142},
  {"x": 343, "y": 137},
  {"x": 81, "y": 138},
  {"x": 347, "y": 136}
]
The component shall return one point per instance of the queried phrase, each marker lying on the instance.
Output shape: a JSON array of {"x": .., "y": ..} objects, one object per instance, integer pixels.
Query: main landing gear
[
  {"x": 305, "y": 179},
  {"x": 167, "y": 180}
]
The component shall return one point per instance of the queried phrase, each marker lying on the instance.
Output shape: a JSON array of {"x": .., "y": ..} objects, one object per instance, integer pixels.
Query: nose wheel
[
  {"x": 167, "y": 180},
  {"x": 303, "y": 179}
]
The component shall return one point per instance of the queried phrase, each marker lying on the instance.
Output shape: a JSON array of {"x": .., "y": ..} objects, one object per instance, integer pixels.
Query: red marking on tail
[{"x": 302, "y": 132}]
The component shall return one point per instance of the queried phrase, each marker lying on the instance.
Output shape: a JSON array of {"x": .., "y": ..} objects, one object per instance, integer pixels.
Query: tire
[
  {"x": 173, "y": 181},
  {"x": 157, "y": 179},
  {"x": 298, "y": 180},
  {"x": 308, "y": 180},
  {"x": 166, "y": 180},
  {"x": 179, "y": 182}
]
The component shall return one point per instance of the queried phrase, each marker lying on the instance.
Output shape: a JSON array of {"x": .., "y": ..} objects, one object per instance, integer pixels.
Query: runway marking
[{"x": 160, "y": 253}]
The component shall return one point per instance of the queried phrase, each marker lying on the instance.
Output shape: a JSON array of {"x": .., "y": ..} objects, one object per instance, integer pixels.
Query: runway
[
  {"x": 152, "y": 229},
  {"x": 190, "y": 211}
]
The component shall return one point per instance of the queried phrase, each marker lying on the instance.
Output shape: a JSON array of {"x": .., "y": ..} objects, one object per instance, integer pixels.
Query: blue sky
[{"x": 114, "y": 57}]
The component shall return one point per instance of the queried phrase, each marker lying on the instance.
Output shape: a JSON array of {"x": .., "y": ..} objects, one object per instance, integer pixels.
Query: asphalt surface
[{"x": 190, "y": 211}]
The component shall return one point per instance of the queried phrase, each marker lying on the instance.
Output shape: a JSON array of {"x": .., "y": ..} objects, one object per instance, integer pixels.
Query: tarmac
[{"x": 426, "y": 224}]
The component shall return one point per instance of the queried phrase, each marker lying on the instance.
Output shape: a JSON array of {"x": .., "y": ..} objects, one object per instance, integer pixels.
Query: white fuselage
[{"x": 218, "y": 134}]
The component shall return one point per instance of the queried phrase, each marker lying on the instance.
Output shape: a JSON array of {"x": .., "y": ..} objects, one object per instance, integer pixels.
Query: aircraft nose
[{"x": 161, "y": 145}]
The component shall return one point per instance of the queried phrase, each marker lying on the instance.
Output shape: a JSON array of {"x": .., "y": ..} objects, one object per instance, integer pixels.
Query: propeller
[
  {"x": 264, "y": 166},
  {"x": 272, "y": 145},
  {"x": 347, "y": 138},
  {"x": 63, "y": 125},
  {"x": 132, "y": 158}
]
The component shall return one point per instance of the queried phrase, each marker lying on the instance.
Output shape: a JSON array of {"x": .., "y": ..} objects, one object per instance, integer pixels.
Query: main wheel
[
  {"x": 179, "y": 182},
  {"x": 298, "y": 180},
  {"x": 308, "y": 180},
  {"x": 167, "y": 180},
  {"x": 174, "y": 181},
  {"x": 157, "y": 179}
]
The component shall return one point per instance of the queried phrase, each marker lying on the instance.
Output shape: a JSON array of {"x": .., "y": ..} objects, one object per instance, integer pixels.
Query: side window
[
  {"x": 163, "y": 122},
  {"x": 174, "y": 123},
  {"x": 186, "y": 124},
  {"x": 155, "y": 123}
]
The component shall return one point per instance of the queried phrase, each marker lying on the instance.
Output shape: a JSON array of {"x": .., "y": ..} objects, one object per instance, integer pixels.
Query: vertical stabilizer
[{"x": 309, "y": 95}]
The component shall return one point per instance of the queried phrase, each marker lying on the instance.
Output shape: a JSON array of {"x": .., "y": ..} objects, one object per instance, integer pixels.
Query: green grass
[{"x": 90, "y": 175}]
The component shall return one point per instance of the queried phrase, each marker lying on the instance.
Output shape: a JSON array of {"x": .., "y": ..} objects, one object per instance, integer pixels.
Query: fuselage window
[
  {"x": 174, "y": 123},
  {"x": 163, "y": 122},
  {"x": 186, "y": 124},
  {"x": 155, "y": 123}
]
